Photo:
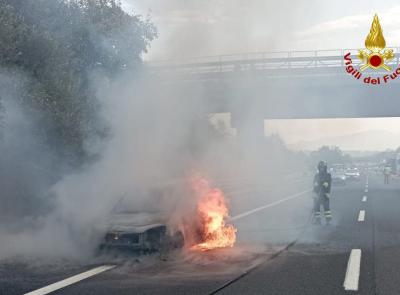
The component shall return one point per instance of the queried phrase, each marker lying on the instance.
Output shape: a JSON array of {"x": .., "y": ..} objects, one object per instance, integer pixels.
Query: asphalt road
[{"x": 317, "y": 261}]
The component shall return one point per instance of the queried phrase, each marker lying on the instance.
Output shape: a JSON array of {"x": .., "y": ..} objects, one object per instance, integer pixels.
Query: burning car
[
  {"x": 140, "y": 227},
  {"x": 147, "y": 225}
]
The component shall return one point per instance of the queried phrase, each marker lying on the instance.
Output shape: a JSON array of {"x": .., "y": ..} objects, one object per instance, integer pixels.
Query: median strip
[
  {"x": 72, "y": 280},
  {"x": 353, "y": 271}
]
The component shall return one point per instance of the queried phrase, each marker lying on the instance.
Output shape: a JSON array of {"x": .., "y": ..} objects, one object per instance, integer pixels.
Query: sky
[
  {"x": 189, "y": 28},
  {"x": 372, "y": 134},
  {"x": 193, "y": 28}
]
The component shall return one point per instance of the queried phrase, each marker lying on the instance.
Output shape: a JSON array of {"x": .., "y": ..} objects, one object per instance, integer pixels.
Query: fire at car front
[{"x": 212, "y": 214}]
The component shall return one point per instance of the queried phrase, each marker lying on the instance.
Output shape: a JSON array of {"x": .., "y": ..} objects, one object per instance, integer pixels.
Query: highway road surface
[{"x": 278, "y": 252}]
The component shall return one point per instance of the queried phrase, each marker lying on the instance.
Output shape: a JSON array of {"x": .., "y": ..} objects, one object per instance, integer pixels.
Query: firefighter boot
[
  {"x": 328, "y": 217},
  {"x": 317, "y": 218}
]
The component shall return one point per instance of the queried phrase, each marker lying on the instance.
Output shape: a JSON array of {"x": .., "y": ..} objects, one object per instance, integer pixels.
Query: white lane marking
[
  {"x": 361, "y": 215},
  {"x": 353, "y": 271},
  {"x": 366, "y": 190},
  {"x": 364, "y": 199},
  {"x": 244, "y": 214},
  {"x": 72, "y": 280}
]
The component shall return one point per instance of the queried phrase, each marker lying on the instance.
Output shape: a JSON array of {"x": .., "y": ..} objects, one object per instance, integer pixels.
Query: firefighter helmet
[{"x": 322, "y": 166}]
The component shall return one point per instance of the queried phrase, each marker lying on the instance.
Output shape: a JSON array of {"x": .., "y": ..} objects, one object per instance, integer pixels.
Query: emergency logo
[{"x": 375, "y": 57}]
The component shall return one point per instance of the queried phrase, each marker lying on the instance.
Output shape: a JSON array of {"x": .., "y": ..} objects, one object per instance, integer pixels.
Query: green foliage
[{"x": 58, "y": 44}]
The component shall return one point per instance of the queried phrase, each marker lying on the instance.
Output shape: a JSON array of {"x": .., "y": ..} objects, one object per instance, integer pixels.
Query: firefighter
[
  {"x": 322, "y": 190},
  {"x": 386, "y": 172}
]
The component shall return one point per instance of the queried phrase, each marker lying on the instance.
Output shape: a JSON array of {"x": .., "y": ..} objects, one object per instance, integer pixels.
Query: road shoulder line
[
  {"x": 361, "y": 215},
  {"x": 244, "y": 214},
  {"x": 353, "y": 271},
  {"x": 72, "y": 280}
]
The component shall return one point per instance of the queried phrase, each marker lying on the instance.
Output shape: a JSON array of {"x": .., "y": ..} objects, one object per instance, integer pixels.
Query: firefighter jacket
[{"x": 322, "y": 184}]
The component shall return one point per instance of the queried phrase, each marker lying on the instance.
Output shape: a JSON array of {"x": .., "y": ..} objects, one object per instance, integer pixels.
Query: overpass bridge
[
  {"x": 270, "y": 64},
  {"x": 291, "y": 84}
]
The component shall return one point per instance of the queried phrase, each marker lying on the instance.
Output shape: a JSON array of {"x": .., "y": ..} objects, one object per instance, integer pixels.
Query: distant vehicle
[
  {"x": 394, "y": 163},
  {"x": 352, "y": 174},
  {"x": 338, "y": 178},
  {"x": 337, "y": 167},
  {"x": 338, "y": 174},
  {"x": 140, "y": 228}
]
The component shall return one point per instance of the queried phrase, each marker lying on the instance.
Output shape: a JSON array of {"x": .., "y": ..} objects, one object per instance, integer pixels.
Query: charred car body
[{"x": 144, "y": 230}]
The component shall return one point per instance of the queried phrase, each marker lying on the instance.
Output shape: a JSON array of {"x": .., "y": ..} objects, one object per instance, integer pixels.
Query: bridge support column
[{"x": 249, "y": 127}]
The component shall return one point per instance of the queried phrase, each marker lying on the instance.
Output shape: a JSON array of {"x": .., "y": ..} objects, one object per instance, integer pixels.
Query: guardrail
[{"x": 262, "y": 61}]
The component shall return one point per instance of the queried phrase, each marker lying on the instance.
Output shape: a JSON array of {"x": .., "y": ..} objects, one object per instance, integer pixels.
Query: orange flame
[{"x": 212, "y": 211}]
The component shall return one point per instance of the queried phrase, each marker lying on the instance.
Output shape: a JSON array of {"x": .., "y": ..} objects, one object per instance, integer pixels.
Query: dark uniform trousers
[
  {"x": 322, "y": 200},
  {"x": 322, "y": 188}
]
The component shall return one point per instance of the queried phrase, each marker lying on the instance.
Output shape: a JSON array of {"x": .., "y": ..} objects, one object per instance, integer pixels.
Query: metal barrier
[{"x": 316, "y": 59}]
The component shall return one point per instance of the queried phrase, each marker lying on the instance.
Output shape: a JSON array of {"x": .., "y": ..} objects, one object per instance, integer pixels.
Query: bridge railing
[{"x": 278, "y": 60}]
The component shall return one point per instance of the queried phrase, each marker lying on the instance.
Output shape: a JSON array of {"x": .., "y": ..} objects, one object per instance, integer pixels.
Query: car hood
[{"x": 136, "y": 222}]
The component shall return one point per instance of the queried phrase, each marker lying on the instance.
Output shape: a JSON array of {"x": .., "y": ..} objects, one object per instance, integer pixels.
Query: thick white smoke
[{"x": 157, "y": 133}]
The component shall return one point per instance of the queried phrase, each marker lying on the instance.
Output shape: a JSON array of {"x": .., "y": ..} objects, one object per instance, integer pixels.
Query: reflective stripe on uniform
[{"x": 328, "y": 214}]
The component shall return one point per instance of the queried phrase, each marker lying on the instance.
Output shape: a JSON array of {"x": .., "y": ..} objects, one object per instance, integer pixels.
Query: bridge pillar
[{"x": 249, "y": 127}]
